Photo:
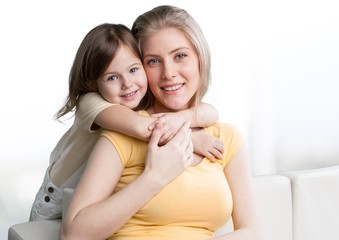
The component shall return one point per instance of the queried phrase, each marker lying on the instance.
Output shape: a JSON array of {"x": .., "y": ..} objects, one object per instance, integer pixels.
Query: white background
[{"x": 275, "y": 75}]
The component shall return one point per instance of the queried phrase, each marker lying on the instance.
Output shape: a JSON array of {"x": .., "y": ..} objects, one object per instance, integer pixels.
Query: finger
[
  {"x": 161, "y": 120},
  {"x": 167, "y": 136},
  {"x": 186, "y": 141},
  {"x": 211, "y": 157},
  {"x": 190, "y": 147},
  {"x": 216, "y": 153},
  {"x": 189, "y": 158},
  {"x": 219, "y": 145},
  {"x": 151, "y": 127},
  {"x": 156, "y": 135}
]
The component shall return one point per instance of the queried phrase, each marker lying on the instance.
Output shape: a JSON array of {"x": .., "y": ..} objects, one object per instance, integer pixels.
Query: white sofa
[{"x": 299, "y": 205}]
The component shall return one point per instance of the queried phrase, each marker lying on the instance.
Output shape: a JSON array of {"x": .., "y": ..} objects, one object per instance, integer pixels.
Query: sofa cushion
[{"x": 315, "y": 203}]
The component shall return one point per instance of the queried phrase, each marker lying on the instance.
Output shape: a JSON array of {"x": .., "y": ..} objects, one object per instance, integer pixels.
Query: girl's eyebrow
[{"x": 130, "y": 66}]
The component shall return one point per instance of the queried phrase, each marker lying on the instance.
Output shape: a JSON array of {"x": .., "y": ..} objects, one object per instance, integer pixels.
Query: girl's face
[
  {"x": 124, "y": 81},
  {"x": 172, "y": 69}
]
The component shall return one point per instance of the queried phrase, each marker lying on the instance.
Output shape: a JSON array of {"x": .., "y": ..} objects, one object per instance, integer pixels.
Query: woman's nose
[{"x": 169, "y": 71}]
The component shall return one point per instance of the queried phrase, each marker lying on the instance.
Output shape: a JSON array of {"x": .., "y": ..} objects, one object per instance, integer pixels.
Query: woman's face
[
  {"x": 172, "y": 69},
  {"x": 124, "y": 81}
]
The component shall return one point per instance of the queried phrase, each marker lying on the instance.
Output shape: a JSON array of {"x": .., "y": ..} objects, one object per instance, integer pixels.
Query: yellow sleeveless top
[{"x": 192, "y": 206}]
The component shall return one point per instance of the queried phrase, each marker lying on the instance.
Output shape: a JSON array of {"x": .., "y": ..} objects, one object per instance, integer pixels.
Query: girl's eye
[
  {"x": 180, "y": 56},
  {"x": 112, "y": 78},
  {"x": 133, "y": 70}
]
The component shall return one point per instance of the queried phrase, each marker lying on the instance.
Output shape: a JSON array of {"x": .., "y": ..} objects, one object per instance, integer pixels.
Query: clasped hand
[{"x": 165, "y": 162}]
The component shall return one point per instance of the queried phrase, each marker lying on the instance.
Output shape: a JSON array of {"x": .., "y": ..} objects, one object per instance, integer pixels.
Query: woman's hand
[
  {"x": 171, "y": 123},
  {"x": 164, "y": 163}
]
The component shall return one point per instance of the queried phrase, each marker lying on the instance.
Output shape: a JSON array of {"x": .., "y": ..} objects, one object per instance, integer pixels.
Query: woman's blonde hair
[{"x": 166, "y": 16}]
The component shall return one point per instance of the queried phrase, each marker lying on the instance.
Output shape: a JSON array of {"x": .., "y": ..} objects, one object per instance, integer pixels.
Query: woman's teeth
[{"x": 173, "y": 88}]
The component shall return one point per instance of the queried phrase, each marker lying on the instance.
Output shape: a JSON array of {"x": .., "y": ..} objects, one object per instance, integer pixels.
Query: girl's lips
[
  {"x": 129, "y": 94},
  {"x": 173, "y": 88}
]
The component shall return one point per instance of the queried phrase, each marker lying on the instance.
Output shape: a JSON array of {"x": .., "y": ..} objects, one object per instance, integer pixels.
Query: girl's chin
[{"x": 130, "y": 105}]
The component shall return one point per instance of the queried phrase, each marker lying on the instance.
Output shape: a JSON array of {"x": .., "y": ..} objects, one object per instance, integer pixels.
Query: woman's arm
[
  {"x": 96, "y": 214},
  {"x": 245, "y": 215}
]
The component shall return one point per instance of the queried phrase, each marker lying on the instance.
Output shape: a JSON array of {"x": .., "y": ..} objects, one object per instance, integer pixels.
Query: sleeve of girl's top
[{"x": 90, "y": 105}]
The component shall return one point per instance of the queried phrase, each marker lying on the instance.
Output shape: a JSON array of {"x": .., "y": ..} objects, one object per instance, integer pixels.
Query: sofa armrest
[
  {"x": 273, "y": 193},
  {"x": 40, "y": 230}
]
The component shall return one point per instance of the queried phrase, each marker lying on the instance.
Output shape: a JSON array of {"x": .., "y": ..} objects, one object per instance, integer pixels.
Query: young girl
[{"x": 106, "y": 81}]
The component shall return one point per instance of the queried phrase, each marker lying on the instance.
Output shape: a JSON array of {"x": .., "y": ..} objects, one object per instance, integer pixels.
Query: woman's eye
[
  {"x": 152, "y": 61},
  {"x": 180, "y": 56}
]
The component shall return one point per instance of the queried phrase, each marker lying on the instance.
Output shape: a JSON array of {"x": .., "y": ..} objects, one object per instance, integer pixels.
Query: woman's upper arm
[
  {"x": 99, "y": 179},
  {"x": 238, "y": 174}
]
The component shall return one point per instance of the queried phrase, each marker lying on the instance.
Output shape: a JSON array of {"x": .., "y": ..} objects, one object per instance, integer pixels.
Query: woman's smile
[{"x": 173, "y": 87}]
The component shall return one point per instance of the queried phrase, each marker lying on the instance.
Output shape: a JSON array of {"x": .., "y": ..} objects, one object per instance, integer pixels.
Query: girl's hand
[{"x": 207, "y": 145}]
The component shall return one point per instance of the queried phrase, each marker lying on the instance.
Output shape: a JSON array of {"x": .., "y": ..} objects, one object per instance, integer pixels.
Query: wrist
[
  {"x": 190, "y": 115},
  {"x": 154, "y": 182}
]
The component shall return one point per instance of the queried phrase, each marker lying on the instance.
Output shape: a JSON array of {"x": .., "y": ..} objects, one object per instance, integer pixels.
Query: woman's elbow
[{"x": 66, "y": 233}]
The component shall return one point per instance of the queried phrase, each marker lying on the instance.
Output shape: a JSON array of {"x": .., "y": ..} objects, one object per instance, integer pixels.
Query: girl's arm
[
  {"x": 203, "y": 115},
  {"x": 122, "y": 119},
  {"x": 90, "y": 212}
]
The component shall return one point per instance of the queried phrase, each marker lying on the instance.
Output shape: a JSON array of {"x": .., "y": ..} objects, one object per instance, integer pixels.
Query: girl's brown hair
[{"x": 94, "y": 55}]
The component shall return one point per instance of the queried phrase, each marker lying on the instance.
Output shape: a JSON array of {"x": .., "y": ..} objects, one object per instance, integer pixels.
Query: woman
[
  {"x": 106, "y": 82},
  {"x": 172, "y": 193}
]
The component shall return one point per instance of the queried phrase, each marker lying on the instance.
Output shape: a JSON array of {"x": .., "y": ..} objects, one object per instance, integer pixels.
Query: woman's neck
[{"x": 160, "y": 108}]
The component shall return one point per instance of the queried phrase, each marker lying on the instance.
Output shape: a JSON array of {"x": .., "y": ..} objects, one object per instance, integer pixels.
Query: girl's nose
[{"x": 127, "y": 83}]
